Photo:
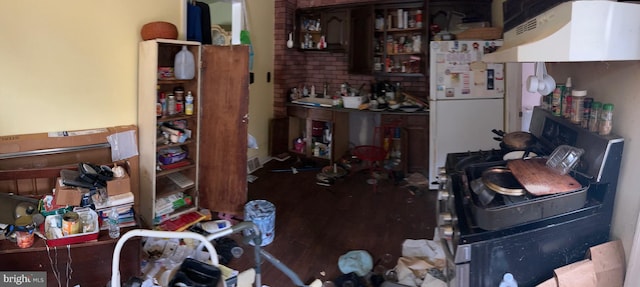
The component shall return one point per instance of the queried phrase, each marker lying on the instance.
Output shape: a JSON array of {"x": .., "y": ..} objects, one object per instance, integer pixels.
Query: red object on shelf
[
  {"x": 175, "y": 165},
  {"x": 182, "y": 222}
]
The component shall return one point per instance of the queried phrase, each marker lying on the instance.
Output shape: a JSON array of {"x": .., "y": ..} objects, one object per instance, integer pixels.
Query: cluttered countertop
[{"x": 382, "y": 97}]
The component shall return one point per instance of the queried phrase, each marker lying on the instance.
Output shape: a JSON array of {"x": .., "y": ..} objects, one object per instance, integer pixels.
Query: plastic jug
[{"x": 184, "y": 65}]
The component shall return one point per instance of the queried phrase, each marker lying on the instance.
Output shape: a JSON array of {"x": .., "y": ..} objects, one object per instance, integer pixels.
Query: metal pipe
[
  {"x": 278, "y": 264},
  {"x": 53, "y": 150}
]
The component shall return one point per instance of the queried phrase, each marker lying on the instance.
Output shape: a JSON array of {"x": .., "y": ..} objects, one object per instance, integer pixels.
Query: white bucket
[{"x": 263, "y": 214}]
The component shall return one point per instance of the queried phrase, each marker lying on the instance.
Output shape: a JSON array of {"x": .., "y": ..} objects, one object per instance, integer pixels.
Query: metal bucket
[{"x": 263, "y": 214}]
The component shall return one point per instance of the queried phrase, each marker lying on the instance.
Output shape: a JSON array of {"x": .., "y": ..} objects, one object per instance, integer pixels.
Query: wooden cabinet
[
  {"x": 417, "y": 139},
  {"x": 155, "y": 183},
  {"x": 214, "y": 137},
  {"x": 361, "y": 50},
  {"x": 337, "y": 23},
  {"x": 391, "y": 40},
  {"x": 322, "y": 29},
  {"x": 400, "y": 40},
  {"x": 318, "y": 132}
]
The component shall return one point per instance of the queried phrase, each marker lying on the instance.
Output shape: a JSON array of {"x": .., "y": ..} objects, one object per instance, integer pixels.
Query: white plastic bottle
[
  {"x": 508, "y": 281},
  {"x": 184, "y": 65},
  {"x": 213, "y": 226},
  {"x": 114, "y": 228},
  {"x": 188, "y": 108}
]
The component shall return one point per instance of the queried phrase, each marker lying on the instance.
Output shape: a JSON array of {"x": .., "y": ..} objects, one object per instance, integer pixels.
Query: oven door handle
[{"x": 447, "y": 252}]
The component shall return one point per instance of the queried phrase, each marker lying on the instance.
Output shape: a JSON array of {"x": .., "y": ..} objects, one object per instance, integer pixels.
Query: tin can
[
  {"x": 70, "y": 223},
  {"x": 263, "y": 214}
]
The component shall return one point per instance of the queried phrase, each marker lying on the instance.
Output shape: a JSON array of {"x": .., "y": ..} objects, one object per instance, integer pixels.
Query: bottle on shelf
[
  {"x": 184, "y": 65},
  {"x": 188, "y": 108},
  {"x": 578, "y": 105},
  {"x": 586, "y": 112},
  {"x": 566, "y": 99},
  {"x": 171, "y": 105},
  {"x": 594, "y": 116},
  {"x": 163, "y": 103},
  {"x": 606, "y": 120},
  {"x": 114, "y": 228},
  {"x": 508, "y": 281},
  {"x": 178, "y": 93}
]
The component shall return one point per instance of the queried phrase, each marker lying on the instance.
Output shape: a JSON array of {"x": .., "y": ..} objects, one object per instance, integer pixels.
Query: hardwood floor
[{"x": 315, "y": 224}]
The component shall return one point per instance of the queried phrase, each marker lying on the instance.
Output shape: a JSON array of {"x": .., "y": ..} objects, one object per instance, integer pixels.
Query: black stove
[{"x": 526, "y": 235}]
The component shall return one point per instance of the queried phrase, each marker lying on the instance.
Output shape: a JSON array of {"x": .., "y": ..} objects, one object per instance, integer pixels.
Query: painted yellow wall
[
  {"x": 261, "y": 21},
  {"x": 71, "y": 64}
]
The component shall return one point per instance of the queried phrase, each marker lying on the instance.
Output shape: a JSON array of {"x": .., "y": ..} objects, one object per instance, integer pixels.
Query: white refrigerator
[{"x": 466, "y": 100}]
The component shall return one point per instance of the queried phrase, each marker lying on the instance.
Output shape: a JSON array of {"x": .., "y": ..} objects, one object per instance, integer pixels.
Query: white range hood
[{"x": 575, "y": 31}]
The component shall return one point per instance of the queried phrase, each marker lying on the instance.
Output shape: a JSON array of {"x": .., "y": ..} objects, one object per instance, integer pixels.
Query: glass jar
[
  {"x": 594, "y": 116},
  {"x": 606, "y": 120},
  {"x": 171, "y": 105},
  {"x": 577, "y": 100}
]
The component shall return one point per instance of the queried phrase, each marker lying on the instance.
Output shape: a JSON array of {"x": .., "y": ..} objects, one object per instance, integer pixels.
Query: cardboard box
[
  {"x": 608, "y": 263},
  {"x": 580, "y": 274},
  {"x": 119, "y": 185},
  {"x": 604, "y": 267},
  {"x": 549, "y": 283},
  {"x": 68, "y": 195},
  {"x": 28, "y": 142}
]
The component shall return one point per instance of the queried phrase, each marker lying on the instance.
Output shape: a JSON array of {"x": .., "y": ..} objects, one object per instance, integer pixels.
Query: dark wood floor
[{"x": 315, "y": 224}]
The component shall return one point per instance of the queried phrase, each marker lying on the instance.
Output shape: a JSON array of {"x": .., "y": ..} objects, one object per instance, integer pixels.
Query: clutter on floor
[{"x": 422, "y": 265}]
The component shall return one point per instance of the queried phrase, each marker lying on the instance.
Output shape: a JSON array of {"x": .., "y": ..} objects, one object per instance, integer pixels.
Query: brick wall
[{"x": 293, "y": 68}]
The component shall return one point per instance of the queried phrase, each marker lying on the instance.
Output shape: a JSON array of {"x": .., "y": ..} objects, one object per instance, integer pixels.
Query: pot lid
[{"x": 502, "y": 181}]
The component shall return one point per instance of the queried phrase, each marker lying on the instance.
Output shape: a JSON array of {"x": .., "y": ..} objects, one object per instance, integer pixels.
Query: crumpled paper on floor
[{"x": 419, "y": 259}]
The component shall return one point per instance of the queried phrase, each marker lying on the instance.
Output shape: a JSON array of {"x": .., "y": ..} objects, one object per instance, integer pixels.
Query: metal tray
[{"x": 505, "y": 211}]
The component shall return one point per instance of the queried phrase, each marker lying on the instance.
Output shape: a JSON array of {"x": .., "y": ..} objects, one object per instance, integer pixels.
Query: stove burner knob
[
  {"x": 443, "y": 179},
  {"x": 445, "y": 218},
  {"x": 443, "y": 194},
  {"x": 446, "y": 231}
]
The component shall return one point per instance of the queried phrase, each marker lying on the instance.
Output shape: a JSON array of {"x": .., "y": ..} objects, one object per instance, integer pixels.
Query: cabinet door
[
  {"x": 360, "y": 49},
  {"x": 417, "y": 139},
  {"x": 223, "y": 129},
  {"x": 337, "y": 29},
  {"x": 418, "y": 146}
]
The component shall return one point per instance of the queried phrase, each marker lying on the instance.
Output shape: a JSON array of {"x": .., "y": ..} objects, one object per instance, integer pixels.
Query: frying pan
[{"x": 515, "y": 140}]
